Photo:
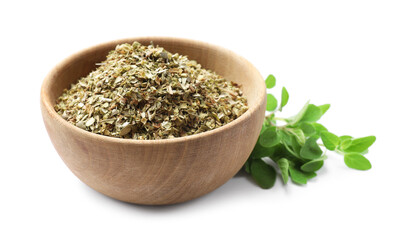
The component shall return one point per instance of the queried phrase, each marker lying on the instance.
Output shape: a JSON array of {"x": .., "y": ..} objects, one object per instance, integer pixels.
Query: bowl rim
[{"x": 49, "y": 108}]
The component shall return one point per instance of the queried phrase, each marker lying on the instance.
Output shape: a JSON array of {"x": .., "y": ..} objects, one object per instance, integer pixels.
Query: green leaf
[
  {"x": 269, "y": 137},
  {"x": 307, "y": 128},
  {"x": 310, "y": 175},
  {"x": 293, "y": 147},
  {"x": 270, "y": 81},
  {"x": 295, "y": 119},
  {"x": 260, "y": 151},
  {"x": 300, "y": 177},
  {"x": 324, "y": 108},
  {"x": 265, "y": 125},
  {"x": 283, "y": 165},
  {"x": 360, "y": 145},
  {"x": 289, "y": 142},
  {"x": 296, "y": 146},
  {"x": 364, "y": 152},
  {"x": 313, "y": 165},
  {"x": 284, "y": 98},
  {"x": 319, "y": 128},
  {"x": 281, "y": 152},
  {"x": 299, "y": 134},
  {"x": 290, "y": 149},
  {"x": 345, "y": 137},
  {"x": 330, "y": 140},
  {"x": 312, "y": 114},
  {"x": 272, "y": 103},
  {"x": 263, "y": 174},
  {"x": 297, "y": 176},
  {"x": 310, "y": 149},
  {"x": 357, "y": 161},
  {"x": 285, "y": 136},
  {"x": 345, "y": 143},
  {"x": 247, "y": 165}
]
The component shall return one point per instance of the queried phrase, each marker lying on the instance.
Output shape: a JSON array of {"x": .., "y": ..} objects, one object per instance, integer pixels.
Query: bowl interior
[{"x": 220, "y": 60}]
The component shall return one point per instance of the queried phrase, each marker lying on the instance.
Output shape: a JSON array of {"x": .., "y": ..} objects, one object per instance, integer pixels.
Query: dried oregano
[{"x": 146, "y": 92}]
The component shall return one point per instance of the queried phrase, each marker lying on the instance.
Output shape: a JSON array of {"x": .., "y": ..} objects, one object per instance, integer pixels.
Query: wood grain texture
[{"x": 156, "y": 172}]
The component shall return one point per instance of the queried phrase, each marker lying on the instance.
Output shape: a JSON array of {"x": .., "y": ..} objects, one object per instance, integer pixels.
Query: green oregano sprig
[{"x": 296, "y": 146}]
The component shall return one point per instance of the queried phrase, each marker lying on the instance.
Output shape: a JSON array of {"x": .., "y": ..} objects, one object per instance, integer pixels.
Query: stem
[
  {"x": 339, "y": 152},
  {"x": 269, "y": 115},
  {"x": 281, "y": 119}
]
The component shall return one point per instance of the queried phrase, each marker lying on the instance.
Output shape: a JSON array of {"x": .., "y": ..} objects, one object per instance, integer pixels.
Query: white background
[{"x": 347, "y": 53}]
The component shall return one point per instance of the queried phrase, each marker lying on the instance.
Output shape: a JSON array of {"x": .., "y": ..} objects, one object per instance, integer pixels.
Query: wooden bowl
[{"x": 156, "y": 172}]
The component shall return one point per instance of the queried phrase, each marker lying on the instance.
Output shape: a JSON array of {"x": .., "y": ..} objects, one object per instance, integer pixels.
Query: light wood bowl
[{"x": 156, "y": 172}]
